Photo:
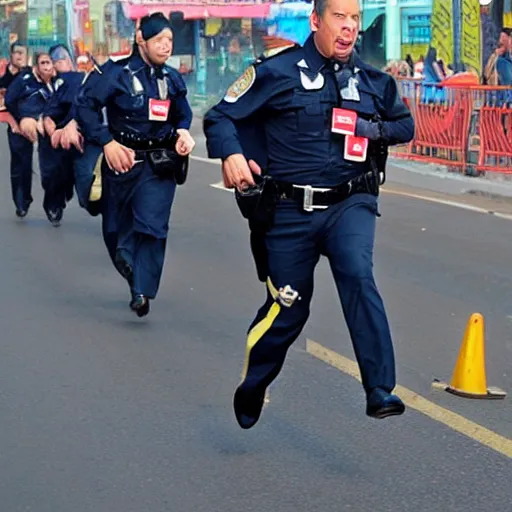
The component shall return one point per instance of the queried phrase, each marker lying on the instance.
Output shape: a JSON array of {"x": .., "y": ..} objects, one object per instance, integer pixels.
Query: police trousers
[
  {"x": 345, "y": 234},
  {"x": 57, "y": 178},
  {"x": 22, "y": 151},
  {"x": 136, "y": 212}
]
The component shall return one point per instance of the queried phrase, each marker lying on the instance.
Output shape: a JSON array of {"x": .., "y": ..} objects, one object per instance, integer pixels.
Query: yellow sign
[
  {"x": 212, "y": 26},
  {"x": 470, "y": 53},
  {"x": 415, "y": 51},
  {"x": 46, "y": 25},
  {"x": 442, "y": 30}
]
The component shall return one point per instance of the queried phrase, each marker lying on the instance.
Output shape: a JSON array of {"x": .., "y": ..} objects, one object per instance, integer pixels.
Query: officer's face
[
  {"x": 337, "y": 29},
  {"x": 44, "y": 67},
  {"x": 63, "y": 65},
  {"x": 159, "y": 48},
  {"x": 19, "y": 57}
]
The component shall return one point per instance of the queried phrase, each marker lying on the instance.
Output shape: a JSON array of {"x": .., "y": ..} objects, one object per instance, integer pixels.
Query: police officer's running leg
[
  {"x": 50, "y": 163},
  {"x": 349, "y": 246},
  {"x": 21, "y": 171},
  {"x": 292, "y": 257},
  {"x": 151, "y": 208}
]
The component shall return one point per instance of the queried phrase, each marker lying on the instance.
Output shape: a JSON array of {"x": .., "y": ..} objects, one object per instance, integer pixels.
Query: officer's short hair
[
  {"x": 38, "y": 55},
  {"x": 320, "y": 6},
  {"x": 16, "y": 46}
]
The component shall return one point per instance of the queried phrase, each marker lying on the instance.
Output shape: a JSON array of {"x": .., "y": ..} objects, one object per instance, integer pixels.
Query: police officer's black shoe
[
  {"x": 54, "y": 216},
  {"x": 381, "y": 404},
  {"x": 21, "y": 213},
  {"x": 140, "y": 305},
  {"x": 248, "y": 406}
]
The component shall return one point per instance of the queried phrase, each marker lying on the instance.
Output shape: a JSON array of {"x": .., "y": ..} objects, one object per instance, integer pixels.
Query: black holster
[
  {"x": 378, "y": 157},
  {"x": 258, "y": 204},
  {"x": 167, "y": 164}
]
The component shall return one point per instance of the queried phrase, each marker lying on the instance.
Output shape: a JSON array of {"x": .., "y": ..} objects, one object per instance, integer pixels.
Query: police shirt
[
  {"x": 142, "y": 101},
  {"x": 62, "y": 106},
  {"x": 7, "y": 78},
  {"x": 27, "y": 95},
  {"x": 286, "y": 101}
]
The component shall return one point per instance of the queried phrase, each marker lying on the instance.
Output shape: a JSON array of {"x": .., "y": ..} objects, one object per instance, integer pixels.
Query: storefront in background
[
  {"x": 48, "y": 23},
  {"x": 393, "y": 29}
]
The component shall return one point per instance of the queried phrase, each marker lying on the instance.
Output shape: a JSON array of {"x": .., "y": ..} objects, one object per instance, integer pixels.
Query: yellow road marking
[{"x": 452, "y": 420}]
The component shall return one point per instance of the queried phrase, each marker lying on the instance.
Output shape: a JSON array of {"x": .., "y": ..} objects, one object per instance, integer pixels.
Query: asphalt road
[{"x": 103, "y": 412}]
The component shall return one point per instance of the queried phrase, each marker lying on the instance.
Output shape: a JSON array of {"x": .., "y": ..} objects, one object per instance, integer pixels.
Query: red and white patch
[
  {"x": 356, "y": 148},
  {"x": 343, "y": 121},
  {"x": 159, "y": 109}
]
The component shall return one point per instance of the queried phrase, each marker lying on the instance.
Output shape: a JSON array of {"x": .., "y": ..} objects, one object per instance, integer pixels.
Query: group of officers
[
  {"x": 303, "y": 138},
  {"x": 118, "y": 135}
]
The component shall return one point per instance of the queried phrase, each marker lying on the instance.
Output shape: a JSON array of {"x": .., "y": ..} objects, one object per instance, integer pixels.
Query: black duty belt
[
  {"x": 319, "y": 198},
  {"x": 148, "y": 144}
]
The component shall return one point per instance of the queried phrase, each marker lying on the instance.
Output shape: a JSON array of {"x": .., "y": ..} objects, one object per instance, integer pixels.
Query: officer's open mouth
[{"x": 343, "y": 45}]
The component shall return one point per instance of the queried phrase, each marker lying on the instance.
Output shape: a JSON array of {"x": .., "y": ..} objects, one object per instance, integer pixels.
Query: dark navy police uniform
[
  {"x": 280, "y": 113},
  {"x": 57, "y": 164},
  {"x": 20, "y": 88},
  {"x": 136, "y": 205}
]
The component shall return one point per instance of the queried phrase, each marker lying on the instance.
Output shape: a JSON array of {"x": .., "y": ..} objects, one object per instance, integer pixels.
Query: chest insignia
[
  {"x": 309, "y": 81},
  {"x": 351, "y": 92}
]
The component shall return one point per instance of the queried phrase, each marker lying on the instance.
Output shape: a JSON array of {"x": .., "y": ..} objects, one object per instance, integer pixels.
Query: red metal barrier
[{"x": 465, "y": 127}]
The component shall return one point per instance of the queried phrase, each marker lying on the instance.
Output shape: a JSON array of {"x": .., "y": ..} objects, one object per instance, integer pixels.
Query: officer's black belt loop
[{"x": 316, "y": 198}]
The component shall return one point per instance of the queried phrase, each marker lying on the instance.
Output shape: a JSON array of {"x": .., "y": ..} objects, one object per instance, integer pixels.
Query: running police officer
[
  {"x": 56, "y": 156},
  {"x": 145, "y": 145},
  {"x": 325, "y": 119},
  {"x": 32, "y": 92},
  {"x": 20, "y": 147}
]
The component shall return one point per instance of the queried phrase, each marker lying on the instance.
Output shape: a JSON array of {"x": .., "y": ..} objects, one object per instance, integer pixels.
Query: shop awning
[{"x": 199, "y": 10}]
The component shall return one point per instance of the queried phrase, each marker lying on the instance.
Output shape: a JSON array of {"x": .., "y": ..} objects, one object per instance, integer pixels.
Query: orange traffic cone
[{"x": 469, "y": 378}]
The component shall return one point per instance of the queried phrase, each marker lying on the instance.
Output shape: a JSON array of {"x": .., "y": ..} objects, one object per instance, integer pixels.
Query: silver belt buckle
[{"x": 309, "y": 193}]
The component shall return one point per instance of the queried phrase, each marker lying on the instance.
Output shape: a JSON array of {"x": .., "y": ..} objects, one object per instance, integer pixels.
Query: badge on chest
[
  {"x": 344, "y": 122},
  {"x": 355, "y": 148},
  {"x": 159, "y": 109}
]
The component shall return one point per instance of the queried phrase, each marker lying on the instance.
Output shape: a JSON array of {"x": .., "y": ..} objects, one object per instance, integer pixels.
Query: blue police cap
[
  {"x": 59, "y": 52},
  {"x": 150, "y": 26}
]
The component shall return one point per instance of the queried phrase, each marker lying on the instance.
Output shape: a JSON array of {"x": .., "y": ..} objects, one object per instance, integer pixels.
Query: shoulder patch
[
  {"x": 27, "y": 76},
  {"x": 58, "y": 83},
  {"x": 241, "y": 85}
]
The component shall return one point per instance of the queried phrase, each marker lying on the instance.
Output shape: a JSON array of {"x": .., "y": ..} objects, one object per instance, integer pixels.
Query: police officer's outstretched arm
[
  {"x": 93, "y": 96},
  {"x": 248, "y": 95}
]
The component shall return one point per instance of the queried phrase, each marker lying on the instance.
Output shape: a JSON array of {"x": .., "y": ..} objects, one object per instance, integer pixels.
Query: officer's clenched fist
[{"x": 237, "y": 172}]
